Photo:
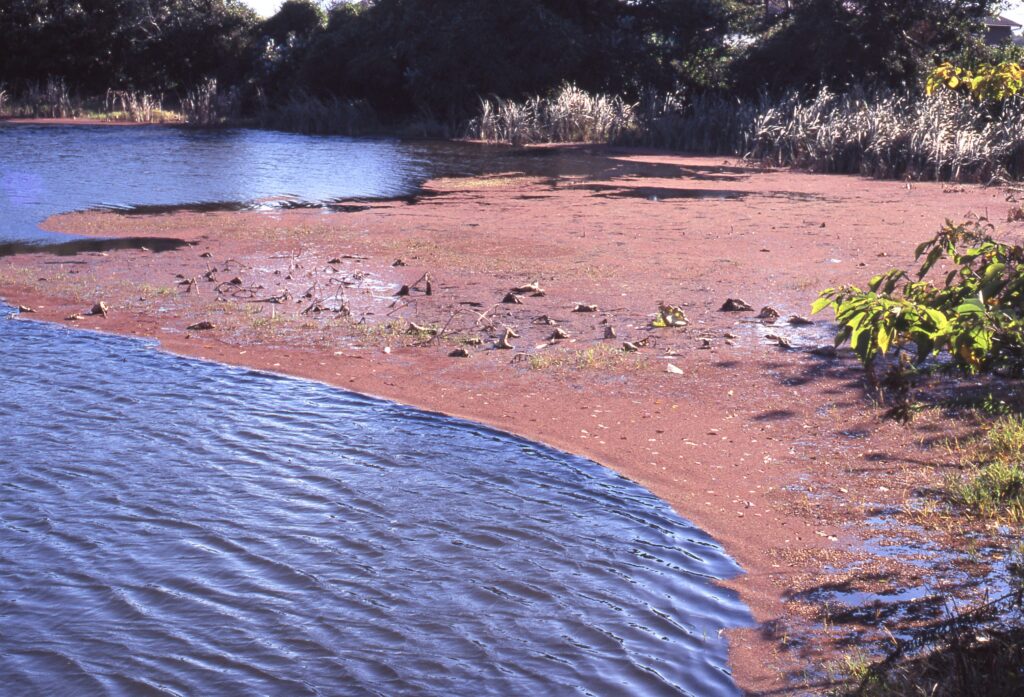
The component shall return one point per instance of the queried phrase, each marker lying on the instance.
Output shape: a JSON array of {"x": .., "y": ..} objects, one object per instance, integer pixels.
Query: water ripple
[{"x": 175, "y": 527}]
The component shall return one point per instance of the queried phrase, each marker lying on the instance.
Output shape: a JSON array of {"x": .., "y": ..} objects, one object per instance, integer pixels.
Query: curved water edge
[
  {"x": 177, "y": 527},
  {"x": 174, "y": 526}
]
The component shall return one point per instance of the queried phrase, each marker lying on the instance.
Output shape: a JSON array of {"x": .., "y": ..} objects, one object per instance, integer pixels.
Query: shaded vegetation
[
  {"x": 420, "y": 55},
  {"x": 303, "y": 113},
  {"x": 977, "y": 653},
  {"x": 96, "y": 45},
  {"x": 436, "y": 60},
  {"x": 878, "y": 43}
]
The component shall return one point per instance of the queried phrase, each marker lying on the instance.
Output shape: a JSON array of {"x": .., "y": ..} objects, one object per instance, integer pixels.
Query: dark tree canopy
[
  {"x": 441, "y": 56},
  {"x": 873, "y": 42},
  {"x": 147, "y": 44},
  {"x": 282, "y": 45},
  {"x": 295, "y": 18}
]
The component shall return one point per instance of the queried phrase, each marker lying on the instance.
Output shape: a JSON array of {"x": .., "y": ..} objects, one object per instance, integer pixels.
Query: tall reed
[
  {"x": 571, "y": 115},
  {"x": 206, "y": 105},
  {"x": 710, "y": 124},
  {"x": 943, "y": 137},
  {"x": 52, "y": 100},
  {"x": 882, "y": 134},
  {"x": 135, "y": 106}
]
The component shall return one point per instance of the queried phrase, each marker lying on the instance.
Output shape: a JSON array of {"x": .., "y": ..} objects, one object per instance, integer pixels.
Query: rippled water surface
[{"x": 169, "y": 526}]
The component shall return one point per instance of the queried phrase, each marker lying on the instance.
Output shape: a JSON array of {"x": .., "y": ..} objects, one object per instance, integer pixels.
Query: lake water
[
  {"x": 51, "y": 169},
  {"x": 176, "y": 527}
]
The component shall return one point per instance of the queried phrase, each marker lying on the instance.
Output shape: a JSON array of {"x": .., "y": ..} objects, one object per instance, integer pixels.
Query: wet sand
[{"x": 778, "y": 453}]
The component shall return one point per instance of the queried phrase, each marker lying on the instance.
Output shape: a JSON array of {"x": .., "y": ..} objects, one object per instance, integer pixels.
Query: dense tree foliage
[
  {"x": 147, "y": 44},
  {"x": 282, "y": 45},
  {"x": 296, "y": 19},
  {"x": 441, "y": 56},
  {"x": 873, "y": 42}
]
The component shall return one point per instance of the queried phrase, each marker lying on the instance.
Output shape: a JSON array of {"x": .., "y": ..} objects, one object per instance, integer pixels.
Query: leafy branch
[
  {"x": 987, "y": 83},
  {"x": 974, "y": 314}
]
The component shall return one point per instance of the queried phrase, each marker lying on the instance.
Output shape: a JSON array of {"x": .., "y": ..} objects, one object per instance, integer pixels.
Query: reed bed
[
  {"x": 134, "y": 106},
  {"x": 204, "y": 105},
  {"x": 709, "y": 124},
  {"x": 571, "y": 115},
  {"x": 55, "y": 100},
  {"x": 40, "y": 101},
  {"x": 944, "y": 137}
]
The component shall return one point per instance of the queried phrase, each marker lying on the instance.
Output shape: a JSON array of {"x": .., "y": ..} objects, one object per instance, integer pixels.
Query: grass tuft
[
  {"x": 993, "y": 485},
  {"x": 599, "y": 357}
]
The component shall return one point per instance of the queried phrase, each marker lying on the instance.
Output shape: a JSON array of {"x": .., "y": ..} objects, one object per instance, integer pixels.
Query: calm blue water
[
  {"x": 175, "y": 527},
  {"x": 57, "y": 169}
]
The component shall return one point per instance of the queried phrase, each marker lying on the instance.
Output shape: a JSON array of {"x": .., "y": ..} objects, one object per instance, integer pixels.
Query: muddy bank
[{"x": 775, "y": 451}]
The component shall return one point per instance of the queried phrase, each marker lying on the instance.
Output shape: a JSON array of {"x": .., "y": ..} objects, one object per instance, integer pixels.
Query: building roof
[{"x": 1001, "y": 21}]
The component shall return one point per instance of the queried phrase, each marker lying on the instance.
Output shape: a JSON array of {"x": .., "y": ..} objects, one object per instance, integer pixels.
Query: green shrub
[
  {"x": 986, "y": 83},
  {"x": 974, "y": 314}
]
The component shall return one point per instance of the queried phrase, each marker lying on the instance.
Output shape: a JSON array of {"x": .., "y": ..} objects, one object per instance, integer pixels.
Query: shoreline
[
  {"x": 84, "y": 121},
  {"x": 383, "y": 389},
  {"x": 733, "y": 442}
]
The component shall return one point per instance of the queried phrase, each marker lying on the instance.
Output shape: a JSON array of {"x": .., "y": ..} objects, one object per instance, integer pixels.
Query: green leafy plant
[
  {"x": 986, "y": 83},
  {"x": 974, "y": 315}
]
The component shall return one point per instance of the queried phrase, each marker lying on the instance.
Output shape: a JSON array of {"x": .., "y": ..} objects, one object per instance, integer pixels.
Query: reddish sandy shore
[{"x": 777, "y": 453}]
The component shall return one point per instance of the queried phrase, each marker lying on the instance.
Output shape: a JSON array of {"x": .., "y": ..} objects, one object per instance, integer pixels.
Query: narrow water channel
[{"x": 176, "y": 527}]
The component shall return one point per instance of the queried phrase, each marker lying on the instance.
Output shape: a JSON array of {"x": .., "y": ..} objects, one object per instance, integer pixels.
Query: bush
[
  {"x": 975, "y": 315},
  {"x": 988, "y": 83}
]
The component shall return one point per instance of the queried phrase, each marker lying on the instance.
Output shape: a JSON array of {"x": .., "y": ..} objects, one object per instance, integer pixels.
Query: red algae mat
[{"x": 775, "y": 450}]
